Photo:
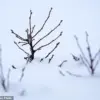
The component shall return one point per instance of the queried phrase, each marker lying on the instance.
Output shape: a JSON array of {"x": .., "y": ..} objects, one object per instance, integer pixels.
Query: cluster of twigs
[
  {"x": 3, "y": 81},
  {"x": 91, "y": 61},
  {"x": 30, "y": 41},
  {"x": 31, "y": 37},
  {"x": 50, "y": 54}
]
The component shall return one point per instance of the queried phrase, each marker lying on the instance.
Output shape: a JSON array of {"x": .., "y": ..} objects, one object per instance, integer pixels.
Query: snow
[{"x": 42, "y": 81}]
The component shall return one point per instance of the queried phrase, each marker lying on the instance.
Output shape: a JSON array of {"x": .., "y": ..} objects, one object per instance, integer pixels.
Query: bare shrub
[
  {"x": 91, "y": 61},
  {"x": 31, "y": 36},
  {"x": 3, "y": 80}
]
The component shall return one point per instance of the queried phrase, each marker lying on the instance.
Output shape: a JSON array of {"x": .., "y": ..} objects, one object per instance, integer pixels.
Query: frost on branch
[
  {"x": 31, "y": 36},
  {"x": 91, "y": 61}
]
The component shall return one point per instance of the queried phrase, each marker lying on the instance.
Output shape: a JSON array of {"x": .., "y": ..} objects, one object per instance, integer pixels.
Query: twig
[
  {"x": 27, "y": 31},
  {"x": 8, "y": 76},
  {"x": 98, "y": 61},
  {"x": 30, "y": 22},
  {"x": 62, "y": 63},
  {"x": 24, "y": 44},
  {"x": 81, "y": 50},
  {"x": 14, "y": 67},
  {"x": 33, "y": 29},
  {"x": 49, "y": 42},
  {"x": 84, "y": 63},
  {"x": 48, "y": 34},
  {"x": 43, "y": 23},
  {"x": 75, "y": 58},
  {"x": 73, "y": 74},
  {"x": 89, "y": 49},
  {"x": 96, "y": 54},
  {"x": 2, "y": 78},
  {"x": 61, "y": 73},
  {"x": 41, "y": 59},
  {"x": 19, "y": 37},
  {"x": 52, "y": 50},
  {"x": 22, "y": 75},
  {"x": 21, "y": 48},
  {"x": 21, "y": 42},
  {"x": 50, "y": 58}
]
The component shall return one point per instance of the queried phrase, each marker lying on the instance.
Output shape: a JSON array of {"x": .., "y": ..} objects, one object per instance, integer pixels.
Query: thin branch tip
[
  {"x": 12, "y": 31},
  {"x": 58, "y": 43},
  {"x": 31, "y": 12},
  {"x": 86, "y": 33},
  {"x": 61, "y": 33},
  {"x": 75, "y": 37},
  {"x": 61, "y": 21},
  {"x": 51, "y": 8},
  {"x": 15, "y": 42}
]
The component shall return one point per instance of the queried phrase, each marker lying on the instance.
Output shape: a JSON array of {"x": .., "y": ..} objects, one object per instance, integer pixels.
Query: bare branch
[
  {"x": 30, "y": 22},
  {"x": 8, "y": 76},
  {"x": 41, "y": 59},
  {"x": 2, "y": 78},
  {"x": 61, "y": 73},
  {"x": 75, "y": 58},
  {"x": 89, "y": 49},
  {"x": 27, "y": 31},
  {"x": 24, "y": 44},
  {"x": 97, "y": 62},
  {"x": 22, "y": 75},
  {"x": 82, "y": 59},
  {"x": 50, "y": 58},
  {"x": 96, "y": 54},
  {"x": 33, "y": 29},
  {"x": 48, "y": 34},
  {"x": 81, "y": 50},
  {"x": 62, "y": 63},
  {"x": 19, "y": 37},
  {"x": 3, "y": 84},
  {"x": 21, "y": 48},
  {"x": 73, "y": 74},
  {"x": 52, "y": 50},
  {"x": 13, "y": 67},
  {"x": 43, "y": 23},
  {"x": 21, "y": 42},
  {"x": 49, "y": 42}
]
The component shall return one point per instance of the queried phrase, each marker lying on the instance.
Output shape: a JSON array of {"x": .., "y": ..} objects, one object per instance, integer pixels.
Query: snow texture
[{"x": 43, "y": 81}]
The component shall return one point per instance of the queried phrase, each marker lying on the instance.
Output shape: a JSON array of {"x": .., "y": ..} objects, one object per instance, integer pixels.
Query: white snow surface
[{"x": 42, "y": 81}]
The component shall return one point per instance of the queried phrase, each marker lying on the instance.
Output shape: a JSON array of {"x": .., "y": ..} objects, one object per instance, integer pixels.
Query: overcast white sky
[{"x": 78, "y": 16}]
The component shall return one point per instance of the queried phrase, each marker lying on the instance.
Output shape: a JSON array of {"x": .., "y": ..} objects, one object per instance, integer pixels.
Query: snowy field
[{"x": 43, "y": 81}]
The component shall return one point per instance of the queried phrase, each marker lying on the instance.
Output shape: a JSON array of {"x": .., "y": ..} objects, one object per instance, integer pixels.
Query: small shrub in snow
[
  {"x": 31, "y": 36},
  {"x": 4, "y": 83},
  {"x": 91, "y": 61}
]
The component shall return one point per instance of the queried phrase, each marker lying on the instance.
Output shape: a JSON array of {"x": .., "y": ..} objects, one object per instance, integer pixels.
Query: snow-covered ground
[{"x": 42, "y": 81}]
